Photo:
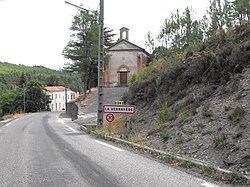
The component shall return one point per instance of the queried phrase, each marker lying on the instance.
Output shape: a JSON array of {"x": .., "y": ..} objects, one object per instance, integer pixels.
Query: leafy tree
[
  {"x": 36, "y": 98},
  {"x": 11, "y": 102}
]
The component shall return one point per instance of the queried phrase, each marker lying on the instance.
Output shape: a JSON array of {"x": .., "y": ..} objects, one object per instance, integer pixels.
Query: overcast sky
[{"x": 34, "y": 32}]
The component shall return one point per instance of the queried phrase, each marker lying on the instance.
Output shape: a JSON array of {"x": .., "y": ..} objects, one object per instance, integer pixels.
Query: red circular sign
[{"x": 110, "y": 117}]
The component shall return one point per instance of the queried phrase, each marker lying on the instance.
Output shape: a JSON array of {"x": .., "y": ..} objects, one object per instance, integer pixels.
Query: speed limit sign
[{"x": 110, "y": 117}]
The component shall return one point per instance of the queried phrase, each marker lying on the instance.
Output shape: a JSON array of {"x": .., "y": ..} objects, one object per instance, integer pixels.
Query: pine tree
[{"x": 82, "y": 49}]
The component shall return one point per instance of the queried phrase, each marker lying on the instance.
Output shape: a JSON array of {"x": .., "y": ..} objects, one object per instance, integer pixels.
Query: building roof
[
  {"x": 54, "y": 88},
  {"x": 123, "y": 40}
]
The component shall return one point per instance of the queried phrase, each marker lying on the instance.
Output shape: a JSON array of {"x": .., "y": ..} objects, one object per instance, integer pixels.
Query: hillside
[
  {"x": 198, "y": 103},
  {"x": 12, "y": 74}
]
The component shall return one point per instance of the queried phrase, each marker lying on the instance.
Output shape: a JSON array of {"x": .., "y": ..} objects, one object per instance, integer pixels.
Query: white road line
[
  {"x": 206, "y": 184},
  {"x": 110, "y": 146},
  {"x": 1, "y": 130},
  {"x": 72, "y": 129}
]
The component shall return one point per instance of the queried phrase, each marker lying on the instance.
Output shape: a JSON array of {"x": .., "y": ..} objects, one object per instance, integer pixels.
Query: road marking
[
  {"x": 110, "y": 146},
  {"x": 1, "y": 130},
  {"x": 206, "y": 184},
  {"x": 72, "y": 129}
]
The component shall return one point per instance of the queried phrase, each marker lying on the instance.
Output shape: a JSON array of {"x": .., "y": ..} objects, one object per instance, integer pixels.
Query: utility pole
[
  {"x": 100, "y": 65},
  {"x": 100, "y": 61}
]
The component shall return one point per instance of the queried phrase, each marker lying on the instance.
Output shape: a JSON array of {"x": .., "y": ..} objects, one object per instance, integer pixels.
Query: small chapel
[{"x": 125, "y": 60}]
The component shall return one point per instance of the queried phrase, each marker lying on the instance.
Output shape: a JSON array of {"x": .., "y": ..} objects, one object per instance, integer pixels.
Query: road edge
[{"x": 186, "y": 162}]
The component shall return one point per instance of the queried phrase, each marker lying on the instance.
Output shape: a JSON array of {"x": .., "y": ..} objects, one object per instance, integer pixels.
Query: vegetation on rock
[{"x": 193, "y": 97}]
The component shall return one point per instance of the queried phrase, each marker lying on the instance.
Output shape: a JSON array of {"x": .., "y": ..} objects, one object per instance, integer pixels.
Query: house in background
[
  {"x": 58, "y": 96},
  {"x": 125, "y": 60}
]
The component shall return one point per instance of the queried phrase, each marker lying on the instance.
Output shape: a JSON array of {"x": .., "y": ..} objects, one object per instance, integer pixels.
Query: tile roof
[{"x": 54, "y": 88}]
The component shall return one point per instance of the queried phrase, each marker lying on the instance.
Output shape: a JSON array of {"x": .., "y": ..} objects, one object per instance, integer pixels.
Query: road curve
[{"x": 43, "y": 149}]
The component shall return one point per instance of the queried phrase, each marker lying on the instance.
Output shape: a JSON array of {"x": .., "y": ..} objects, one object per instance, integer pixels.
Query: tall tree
[
  {"x": 149, "y": 42},
  {"x": 82, "y": 49},
  {"x": 180, "y": 30},
  {"x": 228, "y": 13},
  {"x": 242, "y": 10},
  {"x": 215, "y": 14},
  {"x": 22, "y": 80},
  {"x": 36, "y": 98},
  {"x": 165, "y": 33}
]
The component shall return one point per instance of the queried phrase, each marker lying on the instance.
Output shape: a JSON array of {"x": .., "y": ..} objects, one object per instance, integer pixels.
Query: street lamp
[{"x": 100, "y": 61}]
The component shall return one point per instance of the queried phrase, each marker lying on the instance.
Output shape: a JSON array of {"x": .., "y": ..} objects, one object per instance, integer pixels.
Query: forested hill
[{"x": 11, "y": 75}]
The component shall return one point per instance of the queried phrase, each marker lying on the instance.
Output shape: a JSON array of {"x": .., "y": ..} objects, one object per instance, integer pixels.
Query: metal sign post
[{"x": 110, "y": 118}]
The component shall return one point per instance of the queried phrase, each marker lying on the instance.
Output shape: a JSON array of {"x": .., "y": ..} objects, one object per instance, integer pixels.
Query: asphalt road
[{"x": 43, "y": 149}]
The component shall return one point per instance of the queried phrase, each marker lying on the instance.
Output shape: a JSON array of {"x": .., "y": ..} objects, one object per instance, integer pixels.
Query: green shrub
[
  {"x": 197, "y": 142},
  {"x": 187, "y": 164},
  {"x": 165, "y": 135},
  {"x": 237, "y": 114},
  {"x": 167, "y": 157},
  {"x": 164, "y": 114},
  {"x": 235, "y": 178},
  {"x": 158, "y": 80},
  {"x": 206, "y": 112},
  {"x": 184, "y": 117},
  {"x": 188, "y": 133},
  {"x": 179, "y": 139},
  {"x": 88, "y": 130},
  {"x": 208, "y": 169},
  {"x": 219, "y": 140}
]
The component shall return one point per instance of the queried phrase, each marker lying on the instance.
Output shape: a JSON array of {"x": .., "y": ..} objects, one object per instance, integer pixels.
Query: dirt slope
[
  {"x": 200, "y": 106},
  {"x": 216, "y": 133}
]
